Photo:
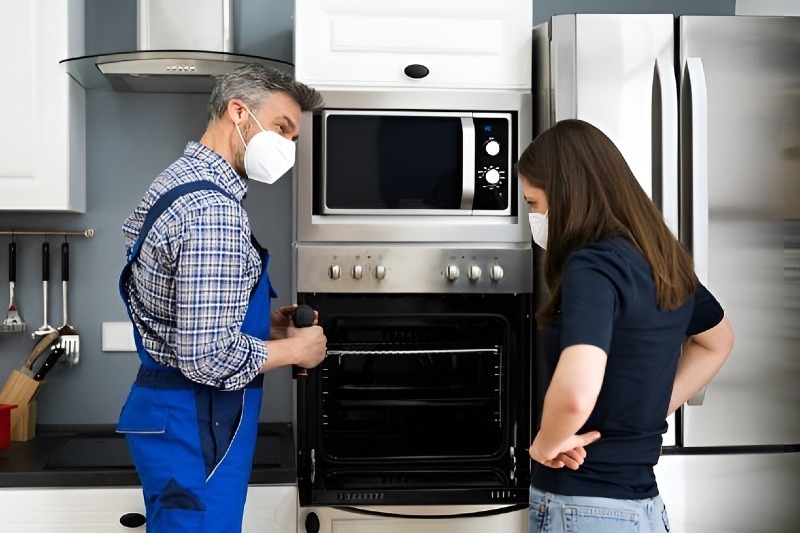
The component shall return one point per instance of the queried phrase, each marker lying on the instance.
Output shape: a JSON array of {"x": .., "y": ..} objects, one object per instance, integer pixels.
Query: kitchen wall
[{"x": 131, "y": 137}]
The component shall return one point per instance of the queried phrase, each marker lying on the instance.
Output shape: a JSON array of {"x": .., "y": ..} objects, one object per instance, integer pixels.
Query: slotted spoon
[{"x": 69, "y": 340}]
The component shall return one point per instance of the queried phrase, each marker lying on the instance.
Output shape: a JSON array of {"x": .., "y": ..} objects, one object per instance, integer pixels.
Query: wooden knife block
[{"x": 21, "y": 390}]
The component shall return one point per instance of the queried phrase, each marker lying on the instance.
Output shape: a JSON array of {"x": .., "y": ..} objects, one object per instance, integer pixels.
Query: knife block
[{"x": 21, "y": 390}]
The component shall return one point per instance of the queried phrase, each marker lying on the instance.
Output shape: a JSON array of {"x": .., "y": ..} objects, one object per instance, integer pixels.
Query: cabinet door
[
  {"x": 464, "y": 44},
  {"x": 52, "y": 510},
  {"x": 43, "y": 138},
  {"x": 269, "y": 509}
]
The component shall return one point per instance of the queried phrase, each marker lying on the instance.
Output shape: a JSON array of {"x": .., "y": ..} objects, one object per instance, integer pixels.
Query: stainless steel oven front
[{"x": 425, "y": 397}]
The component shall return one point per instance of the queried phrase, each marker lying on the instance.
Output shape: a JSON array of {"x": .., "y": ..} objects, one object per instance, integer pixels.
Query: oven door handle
[{"x": 468, "y": 153}]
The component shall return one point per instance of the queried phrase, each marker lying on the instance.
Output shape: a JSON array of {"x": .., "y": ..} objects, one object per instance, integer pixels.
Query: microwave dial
[
  {"x": 492, "y": 176},
  {"x": 492, "y": 147}
]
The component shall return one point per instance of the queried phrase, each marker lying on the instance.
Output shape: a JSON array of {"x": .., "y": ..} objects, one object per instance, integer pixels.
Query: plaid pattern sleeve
[
  {"x": 190, "y": 288},
  {"x": 213, "y": 281}
]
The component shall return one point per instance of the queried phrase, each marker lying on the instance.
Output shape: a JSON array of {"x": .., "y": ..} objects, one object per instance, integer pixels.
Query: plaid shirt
[{"x": 190, "y": 287}]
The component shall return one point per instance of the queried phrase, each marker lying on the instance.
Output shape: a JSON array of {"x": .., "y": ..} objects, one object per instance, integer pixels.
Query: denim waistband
[{"x": 171, "y": 378}]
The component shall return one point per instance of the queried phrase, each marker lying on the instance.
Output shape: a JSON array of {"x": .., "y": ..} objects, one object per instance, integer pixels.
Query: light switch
[{"x": 118, "y": 337}]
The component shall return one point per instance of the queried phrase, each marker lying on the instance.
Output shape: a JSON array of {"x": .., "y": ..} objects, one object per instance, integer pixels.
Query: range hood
[
  {"x": 162, "y": 71},
  {"x": 181, "y": 45}
]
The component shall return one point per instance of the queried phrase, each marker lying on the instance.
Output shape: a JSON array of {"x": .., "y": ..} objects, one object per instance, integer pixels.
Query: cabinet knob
[
  {"x": 416, "y": 71},
  {"x": 312, "y": 523},
  {"x": 132, "y": 520}
]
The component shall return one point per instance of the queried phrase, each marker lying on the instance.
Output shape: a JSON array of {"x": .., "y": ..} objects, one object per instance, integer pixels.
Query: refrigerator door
[
  {"x": 617, "y": 73},
  {"x": 740, "y": 147}
]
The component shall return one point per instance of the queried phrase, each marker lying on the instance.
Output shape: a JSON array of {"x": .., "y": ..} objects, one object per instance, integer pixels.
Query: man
[{"x": 198, "y": 293}]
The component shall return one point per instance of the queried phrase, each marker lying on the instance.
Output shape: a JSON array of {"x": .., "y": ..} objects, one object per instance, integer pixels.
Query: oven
[
  {"x": 425, "y": 396},
  {"x": 424, "y": 403}
]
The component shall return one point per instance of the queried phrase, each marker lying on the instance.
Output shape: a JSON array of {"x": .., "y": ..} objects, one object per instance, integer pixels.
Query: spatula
[
  {"x": 13, "y": 321},
  {"x": 69, "y": 341}
]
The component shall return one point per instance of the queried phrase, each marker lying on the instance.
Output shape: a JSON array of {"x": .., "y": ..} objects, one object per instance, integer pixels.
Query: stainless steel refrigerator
[{"x": 706, "y": 110}]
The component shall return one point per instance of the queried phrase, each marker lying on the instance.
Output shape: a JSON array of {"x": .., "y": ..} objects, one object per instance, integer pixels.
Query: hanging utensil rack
[{"x": 89, "y": 233}]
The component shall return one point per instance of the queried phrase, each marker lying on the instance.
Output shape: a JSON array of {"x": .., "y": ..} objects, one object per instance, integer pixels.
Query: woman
[{"x": 627, "y": 336}]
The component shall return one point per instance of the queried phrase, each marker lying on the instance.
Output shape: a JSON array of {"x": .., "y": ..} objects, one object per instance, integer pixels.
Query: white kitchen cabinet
[
  {"x": 269, "y": 509},
  {"x": 43, "y": 138},
  {"x": 463, "y": 44}
]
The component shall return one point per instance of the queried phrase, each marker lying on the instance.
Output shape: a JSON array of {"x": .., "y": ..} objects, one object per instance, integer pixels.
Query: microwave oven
[{"x": 406, "y": 163}]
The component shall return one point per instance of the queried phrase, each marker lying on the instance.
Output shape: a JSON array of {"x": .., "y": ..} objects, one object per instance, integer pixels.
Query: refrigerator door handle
[
  {"x": 667, "y": 142},
  {"x": 696, "y": 112}
]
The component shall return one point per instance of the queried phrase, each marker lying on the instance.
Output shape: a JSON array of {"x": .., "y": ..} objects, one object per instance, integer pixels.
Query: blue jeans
[{"x": 554, "y": 513}]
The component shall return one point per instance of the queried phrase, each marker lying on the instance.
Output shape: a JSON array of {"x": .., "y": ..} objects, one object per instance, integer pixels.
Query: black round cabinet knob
[
  {"x": 416, "y": 71},
  {"x": 312, "y": 523},
  {"x": 132, "y": 520}
]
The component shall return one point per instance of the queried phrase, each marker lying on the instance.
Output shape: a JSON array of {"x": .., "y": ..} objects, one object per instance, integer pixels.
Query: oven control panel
[{"x": 413, "y": 268}]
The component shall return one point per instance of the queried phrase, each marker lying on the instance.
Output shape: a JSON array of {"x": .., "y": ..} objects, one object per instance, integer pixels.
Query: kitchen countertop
[{"x": 94, "y": 455}]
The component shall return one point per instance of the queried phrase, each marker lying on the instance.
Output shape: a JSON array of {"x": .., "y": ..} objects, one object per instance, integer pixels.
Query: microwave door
[{"x": 468, "y": 166}]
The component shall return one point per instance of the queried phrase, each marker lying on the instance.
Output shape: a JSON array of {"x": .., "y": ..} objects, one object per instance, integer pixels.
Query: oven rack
[{"x": 493, "y": 351}]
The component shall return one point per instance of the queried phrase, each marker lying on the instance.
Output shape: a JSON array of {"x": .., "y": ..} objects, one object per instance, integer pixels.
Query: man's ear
[{"x": 237, "y": 111}]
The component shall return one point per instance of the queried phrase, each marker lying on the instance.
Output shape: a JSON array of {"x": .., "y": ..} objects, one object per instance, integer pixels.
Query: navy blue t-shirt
[{"x": 608, "y": 300}]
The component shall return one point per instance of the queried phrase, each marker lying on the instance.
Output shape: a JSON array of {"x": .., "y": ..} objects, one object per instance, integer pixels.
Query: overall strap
[{"x": 166, "y": 200}]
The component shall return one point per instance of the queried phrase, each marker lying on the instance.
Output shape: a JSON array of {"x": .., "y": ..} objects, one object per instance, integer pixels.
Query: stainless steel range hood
[
  {"x": 185, "y": 71},
  {"x": 181, "y": 45}
]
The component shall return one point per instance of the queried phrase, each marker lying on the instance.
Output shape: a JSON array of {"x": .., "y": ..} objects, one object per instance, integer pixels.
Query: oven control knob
[
  {"x": 334, "y": 271},
  {"x": 492, "y": 148},
  {"x": 380, "y": 272},
  {"x": 492, "y": 176},
  {"x": 451, "y": 272},
  {"x": 496, "y": 273},
  {"x": 358, "y": 272},
  {"x": 474, "y": 273}
]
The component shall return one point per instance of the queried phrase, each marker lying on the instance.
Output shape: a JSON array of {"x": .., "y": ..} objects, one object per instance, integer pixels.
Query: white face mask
[
  {"x": 538, "y": 222},
  {"x": 268, "y": 156}
]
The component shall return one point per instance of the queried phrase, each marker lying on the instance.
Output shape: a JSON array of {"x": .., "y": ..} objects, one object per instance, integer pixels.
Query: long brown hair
[{"x": 592, "y": 195}]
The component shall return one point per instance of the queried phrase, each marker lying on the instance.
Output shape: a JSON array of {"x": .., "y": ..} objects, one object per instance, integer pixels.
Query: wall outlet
[{"x": 118, "y": 337}]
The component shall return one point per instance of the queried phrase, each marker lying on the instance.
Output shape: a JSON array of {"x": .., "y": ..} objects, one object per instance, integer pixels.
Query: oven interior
[{"x": 417, "y": 392}]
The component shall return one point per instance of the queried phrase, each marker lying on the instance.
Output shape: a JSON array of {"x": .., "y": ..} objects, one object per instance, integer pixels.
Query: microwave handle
[{"x": 468, "y": 152}]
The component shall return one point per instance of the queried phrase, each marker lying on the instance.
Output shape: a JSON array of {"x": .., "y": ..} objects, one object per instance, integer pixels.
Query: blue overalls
[{"x": 192, "y": 444}]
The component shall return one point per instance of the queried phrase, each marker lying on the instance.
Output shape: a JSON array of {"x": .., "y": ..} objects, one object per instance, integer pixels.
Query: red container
[{"x": 5, "y": 424}]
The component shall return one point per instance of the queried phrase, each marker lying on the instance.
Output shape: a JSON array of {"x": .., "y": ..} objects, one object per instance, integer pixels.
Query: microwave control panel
[{"x": 492, "y": 162}]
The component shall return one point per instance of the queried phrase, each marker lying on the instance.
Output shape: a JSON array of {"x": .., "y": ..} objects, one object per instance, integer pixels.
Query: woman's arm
[
  {"x": 701, "y": 358},
  {"x": 569, "y": 401}
]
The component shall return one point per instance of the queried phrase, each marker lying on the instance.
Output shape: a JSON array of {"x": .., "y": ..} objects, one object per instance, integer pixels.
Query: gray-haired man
[{"x": 198, "y": 293}]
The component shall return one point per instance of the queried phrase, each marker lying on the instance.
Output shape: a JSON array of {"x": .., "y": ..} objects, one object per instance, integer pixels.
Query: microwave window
[{"x": 393, "y": 162}]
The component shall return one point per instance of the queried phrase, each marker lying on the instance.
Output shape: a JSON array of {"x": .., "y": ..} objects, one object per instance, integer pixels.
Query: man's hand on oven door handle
[
  {"x": 312, "y": 346},
  {"x": 304, "y": 347},
  {"x": 281, "y": 320}
]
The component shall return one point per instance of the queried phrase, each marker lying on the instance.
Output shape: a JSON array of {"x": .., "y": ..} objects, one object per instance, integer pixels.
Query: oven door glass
[{"x": 415, "y": 389}]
